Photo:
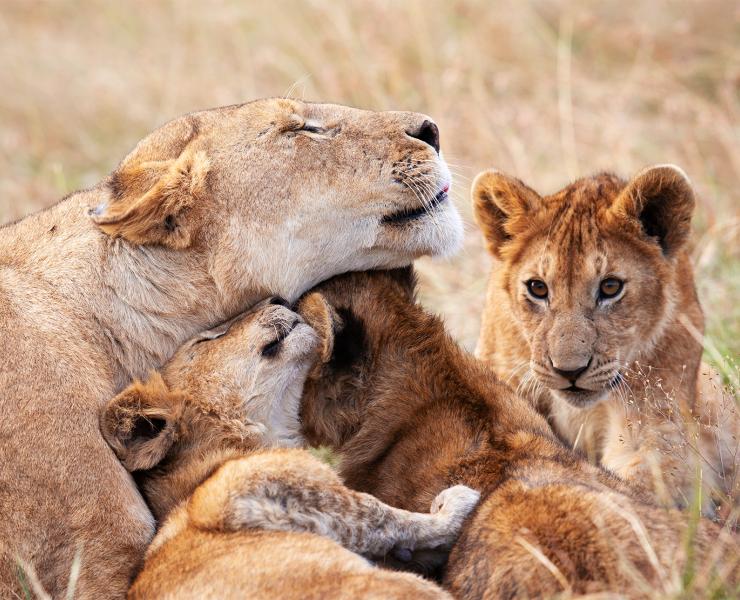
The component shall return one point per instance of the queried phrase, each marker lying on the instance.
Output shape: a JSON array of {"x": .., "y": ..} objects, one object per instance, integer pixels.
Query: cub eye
[
  {"x": 537, "y": 288},
  {"x": 271, "y": 349},
  {"x": 610, "y": 287}
]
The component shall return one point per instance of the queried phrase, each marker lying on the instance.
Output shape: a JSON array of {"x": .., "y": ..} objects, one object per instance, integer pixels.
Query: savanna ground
[{"x": 544, "y": 90}]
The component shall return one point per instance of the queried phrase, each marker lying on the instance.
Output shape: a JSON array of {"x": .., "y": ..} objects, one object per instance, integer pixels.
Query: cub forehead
[
  {"x": 247, "y": 331},
  {"x": 225, "y": 338},
  {"x": 549, "y": 259}
]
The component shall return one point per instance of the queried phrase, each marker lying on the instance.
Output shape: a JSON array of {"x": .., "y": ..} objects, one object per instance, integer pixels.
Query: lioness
[
  {"x": 592, "y": 314},
  {"x": 240, "y": 521},
  {"x": 411, "y": 413},
  {"x": 207, "y": 215}
]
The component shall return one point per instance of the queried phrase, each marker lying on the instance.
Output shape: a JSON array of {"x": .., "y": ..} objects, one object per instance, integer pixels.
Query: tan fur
[
  {"x": 638, "y": 413},
  {"x": 411, "y": 413},
  {"x": 239, "y": 521},
  {"x": 207, "y": 215}
]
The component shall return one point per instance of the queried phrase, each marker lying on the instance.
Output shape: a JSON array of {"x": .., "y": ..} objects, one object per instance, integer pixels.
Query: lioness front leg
[{"x": 289, "y": 490}]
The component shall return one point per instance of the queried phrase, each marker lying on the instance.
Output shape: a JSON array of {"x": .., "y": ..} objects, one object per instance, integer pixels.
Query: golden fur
[
  {"x": 239, "y": 521},
  {"x": 637, "y": 410},
  {"x": 207, "y": 215},
  {"x": 398, "y": 391}
]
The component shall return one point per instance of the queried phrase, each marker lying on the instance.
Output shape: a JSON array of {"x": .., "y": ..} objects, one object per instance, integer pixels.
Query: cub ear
[
  {"x": 662, "y": 200},
  {"x": 139, "y": 424},
  {"x": 153, "y": 191},
  {"x": 322, "y": 317},
  {"x": 498, "y": 202}
]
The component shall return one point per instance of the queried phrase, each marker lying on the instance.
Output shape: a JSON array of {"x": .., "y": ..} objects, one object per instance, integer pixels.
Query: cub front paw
[{"x": 456, "y": 502}]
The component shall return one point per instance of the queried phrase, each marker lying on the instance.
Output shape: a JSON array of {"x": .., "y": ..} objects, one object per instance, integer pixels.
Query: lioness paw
[{"x": 455, "y": 502}]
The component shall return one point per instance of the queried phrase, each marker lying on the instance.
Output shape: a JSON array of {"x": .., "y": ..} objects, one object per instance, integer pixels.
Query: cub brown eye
[
  {"x": 537, "y": 288},
  {"x": 610, "y": 287}
]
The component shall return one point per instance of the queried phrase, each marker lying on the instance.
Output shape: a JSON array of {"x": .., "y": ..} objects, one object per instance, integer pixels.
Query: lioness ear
[
  {"x": 498, "y": 202},
  {"x": 153, "y": 191},
  {"x": 322, "y": 317},
  {"x": 140, "y": 423},
  {"x": 661, "y": 199}
]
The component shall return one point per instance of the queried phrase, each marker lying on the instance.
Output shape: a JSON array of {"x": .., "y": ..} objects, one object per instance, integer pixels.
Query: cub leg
[
  {"x": 290, "y": 490},
  {"x": 365, "y": 525}
]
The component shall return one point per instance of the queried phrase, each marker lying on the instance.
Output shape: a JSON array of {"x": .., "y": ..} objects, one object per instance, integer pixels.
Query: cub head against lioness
[
  {"x": 592, "y": 313},
  {"x": 209, "y": 214},
  {"x": 229, "y": 390},
  {"x": 237, "y": 517}
]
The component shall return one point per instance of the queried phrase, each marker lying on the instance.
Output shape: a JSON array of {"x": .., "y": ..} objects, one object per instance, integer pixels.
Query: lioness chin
[
  {"x": 241, "y": 520},
  {"x": 207, "y": 215},
  {"x": 592, "y": 314}
]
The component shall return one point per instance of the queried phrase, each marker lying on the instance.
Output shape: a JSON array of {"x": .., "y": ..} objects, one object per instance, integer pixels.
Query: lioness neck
[{"x": 144, "y": 301}]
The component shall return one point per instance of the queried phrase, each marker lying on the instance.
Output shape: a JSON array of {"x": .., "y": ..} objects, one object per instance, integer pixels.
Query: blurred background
[{"x": 544, "y": 90}]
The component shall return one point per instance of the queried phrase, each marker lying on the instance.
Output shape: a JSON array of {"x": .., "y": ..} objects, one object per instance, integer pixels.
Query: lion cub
[
  {"x": 410, "y": 413},
  {"x": 240, "y": 520},
  {"x": 592, "y": 314}
]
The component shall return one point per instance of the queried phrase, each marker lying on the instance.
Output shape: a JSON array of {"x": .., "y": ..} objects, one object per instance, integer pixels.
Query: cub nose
[
  {"x": 571, "y": 374},
  {"x": 428, "y": 132}
]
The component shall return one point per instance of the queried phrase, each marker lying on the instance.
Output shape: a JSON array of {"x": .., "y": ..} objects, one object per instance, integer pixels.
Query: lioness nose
[
  {"x": 571, "y": 374},
  {"x": 428, "y": 133}
]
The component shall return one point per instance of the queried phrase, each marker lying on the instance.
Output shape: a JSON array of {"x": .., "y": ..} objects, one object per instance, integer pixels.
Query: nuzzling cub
[
  {"x": 411, "y": 413},
  {"x": 240, "y": 520},
  {"x": 592, "y": 314}
]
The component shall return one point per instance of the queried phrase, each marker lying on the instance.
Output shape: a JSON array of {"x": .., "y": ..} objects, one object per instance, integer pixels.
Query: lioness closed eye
[
  {"x": 592, "y": 313},
  {"x": 209, "y": 214},
  {"x": 239, "y": 520}
]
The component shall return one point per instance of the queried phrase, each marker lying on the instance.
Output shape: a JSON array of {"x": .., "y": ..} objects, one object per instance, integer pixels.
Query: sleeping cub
[{"x": 239, "y": 519}]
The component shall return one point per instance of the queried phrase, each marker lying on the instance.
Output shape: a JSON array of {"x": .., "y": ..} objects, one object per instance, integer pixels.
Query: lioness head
[
  {"x": 280, "y": 194},
  {"x": 588, "y": 274},
  {"x": 236, "y": 387}
]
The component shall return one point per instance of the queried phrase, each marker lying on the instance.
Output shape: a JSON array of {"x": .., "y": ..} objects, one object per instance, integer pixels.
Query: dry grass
[{"x": 544, "y": 90}]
